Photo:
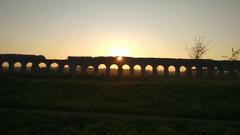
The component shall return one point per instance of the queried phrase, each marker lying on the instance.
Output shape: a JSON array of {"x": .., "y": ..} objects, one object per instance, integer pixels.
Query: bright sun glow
[
  {"x": 119, "y": 47},
  {"x": 119, "y": 58},
  {"x": 119, "y": 52}
]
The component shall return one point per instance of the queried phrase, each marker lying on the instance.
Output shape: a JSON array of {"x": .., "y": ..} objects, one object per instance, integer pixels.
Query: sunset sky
[{"x": 137, "y": 28}]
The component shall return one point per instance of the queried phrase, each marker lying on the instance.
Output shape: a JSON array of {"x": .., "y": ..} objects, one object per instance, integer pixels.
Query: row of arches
[
  {"x": 17, "y": 66},
  {"x": 113, "y": 69}
]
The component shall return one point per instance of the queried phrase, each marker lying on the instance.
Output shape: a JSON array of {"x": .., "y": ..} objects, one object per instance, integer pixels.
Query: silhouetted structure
[{"x": 178, "y": 67}]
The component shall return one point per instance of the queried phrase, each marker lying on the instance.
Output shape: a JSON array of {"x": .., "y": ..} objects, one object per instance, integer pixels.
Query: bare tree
[
  {"x": 234, "y": 55},
  {"x": 199, "y": 48}
]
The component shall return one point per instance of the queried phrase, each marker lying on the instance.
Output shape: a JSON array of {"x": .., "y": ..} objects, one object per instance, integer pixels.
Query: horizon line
[{"x": 110, "y": 57}]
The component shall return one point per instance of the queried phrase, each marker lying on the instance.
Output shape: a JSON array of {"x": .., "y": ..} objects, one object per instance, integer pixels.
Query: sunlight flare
[
  {"x": 119, "y": 58},
  {"x": 119, "y": 52}
]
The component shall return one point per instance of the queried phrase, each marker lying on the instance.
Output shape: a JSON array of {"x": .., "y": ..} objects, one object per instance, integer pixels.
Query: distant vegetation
[
  {"x": 234, "y": 55},
  {"x": 199, "y": 48}
]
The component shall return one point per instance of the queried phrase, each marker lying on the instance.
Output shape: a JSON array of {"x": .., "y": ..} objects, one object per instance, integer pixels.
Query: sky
[{"x": 136, "y": 28}]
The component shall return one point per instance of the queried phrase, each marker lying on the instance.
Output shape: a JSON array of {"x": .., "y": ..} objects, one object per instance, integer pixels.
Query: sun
[
  {"x": 119, "y": 52},
  {"x": 119, "y": 58}
]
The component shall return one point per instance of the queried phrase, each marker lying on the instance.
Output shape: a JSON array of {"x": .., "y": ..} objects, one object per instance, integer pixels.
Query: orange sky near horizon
[{"x": 135, "y": 28}]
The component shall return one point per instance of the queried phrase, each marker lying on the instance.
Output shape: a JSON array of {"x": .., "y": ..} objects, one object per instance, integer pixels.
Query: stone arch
[
  {"x": 171, "y": 70},
  {"x": 126, "y": 70},
  {"x": 78, "y": 69},
  {"x": 102, "y": 69},
  {"x": 205, "y": 71},
  {"x": 160, "y": 70},
  {"x": 226, "y": 72},
  {"x": 17, "y": 66},
  {"x": 90, "y": 70},
  {"x": 194, "y": 71},
  {"x": 5, "y": 66},
  {"x": 114, "y": 70},
  {"x": 215, "y": 71},
  {"x": 66, "y": 68},
  {"x": 183, "y": 71},
  {"x": 137, "y": 70},
  {"x": 54, "y": 67},
  {"x": 42, "y": 66},
  {"x": 235, "y": 72},
  {"x": 29, "y": 66},
  {"x": 148, "y": 70},
  {"x": 238, "y": 73}
]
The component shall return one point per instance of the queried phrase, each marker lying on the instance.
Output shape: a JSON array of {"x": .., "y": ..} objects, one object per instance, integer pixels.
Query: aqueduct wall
[{"x": 33, "y": 63}]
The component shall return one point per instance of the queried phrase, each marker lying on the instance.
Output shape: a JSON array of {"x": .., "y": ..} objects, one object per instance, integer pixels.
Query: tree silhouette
[
  {"x": 198, "y": 49},
  {"x": 234, "y": 55}
]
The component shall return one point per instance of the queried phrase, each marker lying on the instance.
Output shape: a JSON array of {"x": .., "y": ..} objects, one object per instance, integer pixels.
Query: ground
[{"x": 89, "y": 105}]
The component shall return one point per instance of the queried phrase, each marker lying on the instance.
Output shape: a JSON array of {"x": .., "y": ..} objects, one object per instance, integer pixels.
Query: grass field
[{"x": 46, "y": 104}]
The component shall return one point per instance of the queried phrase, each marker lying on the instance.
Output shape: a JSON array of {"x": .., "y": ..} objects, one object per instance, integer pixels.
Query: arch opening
[
  {"x": 205, "y": 71},
  {"x": 194, "y": 71},
  {"x": 66, "y": 69},
  {"x": 160, "y": 70},
  {"x": 238, "y": 73},
  {"x": 226, "y": 71},
  {"x": 113, "y": 70},
  {"x": 126, "y": 70},
  {"x": 5, "y": 66},
  {"x": 78, "y": 69},
  {"x": 90, "y": 70},
  {"x": 42, "y": 66},
  {"x": 183, "y": 71},
  {"x": 102, "y": 69},
  {"x": 148, "y": 70},
  {"x": 29, "y": 66},
  {"x": 215, "y": 71},
  {"x": 172, "y": 70},
  {"x": 54, "y": 67},
  {"x": 137, "y": 70},
  {"x": 17, "y": 66}
]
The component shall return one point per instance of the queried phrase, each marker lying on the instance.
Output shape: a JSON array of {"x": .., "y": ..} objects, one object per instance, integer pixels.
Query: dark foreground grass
[
  {"x": 192, "y": 101},
  {"x": 55, "y": 123}
]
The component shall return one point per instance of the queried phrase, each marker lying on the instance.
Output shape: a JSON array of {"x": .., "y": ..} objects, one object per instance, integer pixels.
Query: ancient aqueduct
[{"x": 178, "y": 67}]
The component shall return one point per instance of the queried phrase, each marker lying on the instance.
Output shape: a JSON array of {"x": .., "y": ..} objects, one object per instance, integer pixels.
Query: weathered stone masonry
[{"x": 211, "y": 66}]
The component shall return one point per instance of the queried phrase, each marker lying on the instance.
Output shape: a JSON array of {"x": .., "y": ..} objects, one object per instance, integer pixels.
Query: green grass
[{"x": 175, "y": 100}]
